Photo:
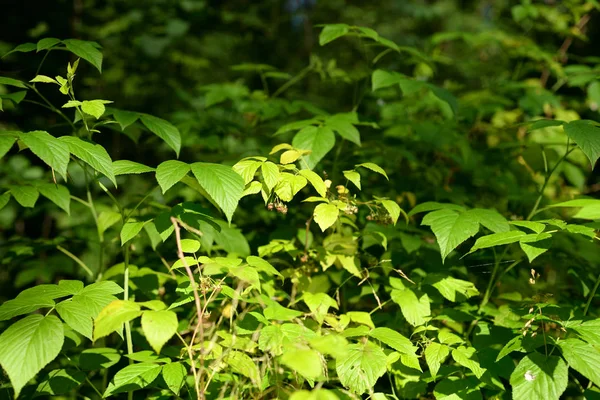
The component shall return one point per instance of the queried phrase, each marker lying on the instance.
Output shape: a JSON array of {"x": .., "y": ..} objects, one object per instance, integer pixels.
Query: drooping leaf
[
  {"x": 86, "y": 50},
  {"x": 43, "y": 79},
  {"x": 539, "y": 377},
  {"x": 451, "y": 228},
  {"x": 4, "y": 199},
  {"x": 29, "y": 345},
  {"x": 354, "y": 177},
  {"x": 113, "y": 316},
  {"x": 535, "y": 244},
  {"x": 92, "y": 154},
  {"x": 319, "y": 140},
  {"x": 435, "y": 355},
  {"x": 361, "y": 367},
  {"x": 392, "y": 208},
  {"x": 174, "y": 376},
  {"x": 6, "y": 142},
  {"x": 124, "y": 118},
  {"x": 126, "y": 167},
  {"x": 587, "y": 137},
  {"x": 374, "y": 167},
  {"x": 49, "y": 149},
  {"x": 315, "y": 180},
  {"x": 25, "y": 195},
  {"x": 222, "y": 184},
  {"x": 325, "y": 215},
  {"x": 170, "y": 172},
  {"x": 159, "y": 327},
  {"x": 133, "y": 377},
  {"x": 164, "y": 130},
  {"x": 58, "y": 194}
]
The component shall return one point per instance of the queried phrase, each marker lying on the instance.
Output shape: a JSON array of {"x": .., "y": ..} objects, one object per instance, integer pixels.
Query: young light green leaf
[
  {"x": 164, "y": 130},
  {"x": 270, "y": 174},
  {"x": 315, "y": 180},
  {"x": 159, "y": 327},
  {"x": 332, "y": 32},
  {"x": 587, "y": 137},
  {"x": 451, "y": 228},
  {"x": 170, "y": 172},
  {"x": 393, "y": 209},
  {"x": 325, "y": 215},
  {"x": 393, "y": 339},
  {"x": 86, "y": 50},
  {"x": 72, "y": 103},
  {"x": 319, "y": 140},
  {"x": 262, "y": 265},
  {"x": 133, "y": 377},
  {"x": 361, "y": 366},
  {"x": 190, "y": 245},
  {"x": 49, "y": 149},
  {"x": 582, "y": 357},
  {"x": 43, "y": 79},
  {"x": 126, "y": 167},
  {"x": 416, "y": 310},
  {"x": 539, "y": 377},
  {"x": 317, "y": 394},
  {"x": 435, "y": 355},
  {"x": 113, "y": 316},
  {"x": 131, "y": 230},
  {"x": 29, "y": 345},
  {"x": 247, "y": 168},
  {"x": 354, "y": 177},
  {"x": 289, "y": 185},
  {"x": 373, "y": 167},
  {"x": 221, "y": 183},
  {"x": 174, "y": 376},
  {"x": 92, "y": 154},
  {"x": 289, "y": 156},
  {"x": 94, "y": 108},
  {"x": 306, "y": 362},
  {"x": 58, "y": 194},
  {"x": 25, "y": 195}
]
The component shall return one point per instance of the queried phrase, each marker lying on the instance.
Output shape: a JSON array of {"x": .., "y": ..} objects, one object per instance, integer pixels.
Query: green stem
[
  {"x": 51, "y": 106},
  {"x": 77, "y": 260},
  {"x": 534, "y": 210},
  {"x": 591, "y": 296},
  {"x": 293, "y": 81}
]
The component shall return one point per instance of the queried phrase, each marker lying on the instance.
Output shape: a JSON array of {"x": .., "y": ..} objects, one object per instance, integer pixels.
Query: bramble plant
[{"x": 293, "y": 270}]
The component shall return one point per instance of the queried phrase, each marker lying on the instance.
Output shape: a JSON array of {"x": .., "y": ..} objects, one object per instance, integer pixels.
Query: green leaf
[
  {"x": 46, "y": 43},
  {"x": 543, "y": 123},
  {"x": 319, "y": 140},
  {"x": 221, "y": 183},
  {"x": 393, "y": 339},
  {"x": 124, "y": 118},
  {"x": 242, "y": 364},
  {"x": 289, "y": 185},
  {"x": 77, "y": 316},
  {"x": 43, "y": 79},
  {"x": 392, "y": 208},
  {"x": 25, "y": 195},
  {"x": 164, "y": 130},
  {"x": 270, "y": 174},
  {"x": 190, "y": 245},
  {"x": 589, "y": 331},
  {"x": 133, "y": 377},
  {"x": 94, "y": 108},
  {"x": 332, "y": 32},
  {"x": 60, "y": 381},
  {"x": 86, "y": 50},
  {"x": 170, "y": 172},
  {"x": 174, "y": 375},
  {"x": 361, "y": 367},
  {"x": 126, "y": 167},
  {"x": 454, "y": 289},
  {"x": 432, "y": 206},
  {"x": 49, "y": 149},
  {"x": 306, "y": 362},
  {"x": 416, "y": 310},
  {"x": 92, "y": 154},
  {"x": 587, "y": 137},
  {"x": 113, "y": 316},
  {"x": 58, "y": 194},
  {"x": 317, "y": 394},
  {"x": 277, "y": 338},
  {"x": 466, "y": 357},
  {"x": 159, "y": 327},
  {"x": 247, "y": 169},
  {"x": 6, "y": 142},
  {"x": 537, "y": 227},
  {"x": 22, "y": 48},
  {"x": 491, "y": 219},
  {"x": 130, "y": 230},
  {"x": 382, "y": 79},
  {"x": 325, "y": 215},
  {"x": 278, "y": 312},
  {"x": 539, "y": 377},
  {"x": 319, "y": 304},
  {"x": 97, "y": 296},
  {"x": 12, "y": 82},
  {"x": 582, "y": 357},
  {"x": 289, "y": 156},
  {"x": 497, "y": 239},
  {"x": 535, "y": 244},
  {"x": 354, "y": 177},
  {"x": 4, "y": 198},
  {"x": 29, "y": 345},
  {"x": 262, "y": 265},
  {"x": 451, "y": 228},
  {"x": 98, "y": 358},
  {"x": 72, "y": 104},
  {"x": 344, "y": 128},
  {"x": 315, "y": 180},
  {"x": 24, "y": 305},
  {"x": 458, "y": 388},
  {"x": 435, "y": 355},
  {"x": 373, "y": 167}
]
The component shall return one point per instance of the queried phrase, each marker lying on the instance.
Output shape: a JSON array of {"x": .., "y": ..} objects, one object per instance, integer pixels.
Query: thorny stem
[{"x": 199, "y": 379}]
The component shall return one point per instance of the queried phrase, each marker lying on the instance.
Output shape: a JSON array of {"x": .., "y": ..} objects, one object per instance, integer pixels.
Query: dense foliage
[{"x": 244, "y": 200}]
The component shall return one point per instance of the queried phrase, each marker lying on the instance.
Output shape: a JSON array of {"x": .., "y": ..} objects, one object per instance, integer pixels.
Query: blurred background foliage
[{"x": 229, "y": 73}]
